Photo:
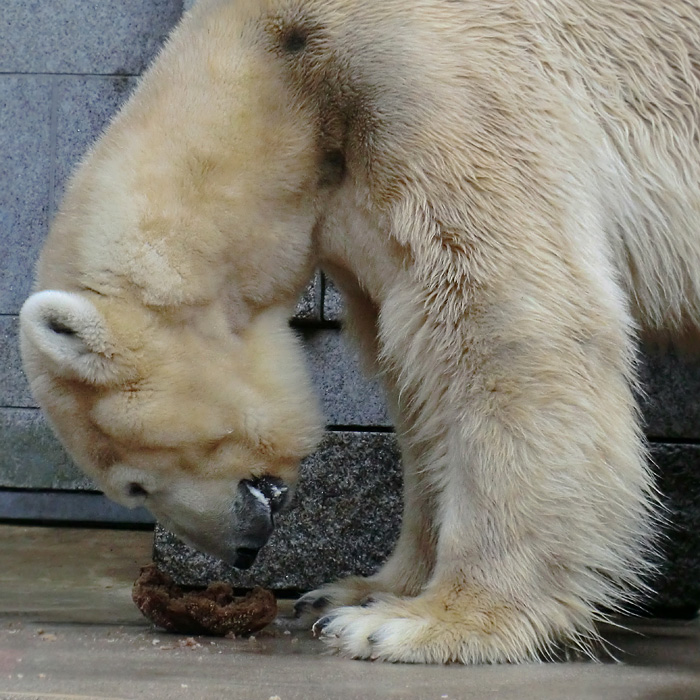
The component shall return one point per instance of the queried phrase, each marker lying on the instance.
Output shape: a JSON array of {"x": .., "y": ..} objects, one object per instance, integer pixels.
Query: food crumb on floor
[{"x": 189, "y": 642}]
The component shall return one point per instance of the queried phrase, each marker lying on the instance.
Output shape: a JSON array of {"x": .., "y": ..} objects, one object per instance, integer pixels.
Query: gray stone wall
[{"x": 65, "y": 67}]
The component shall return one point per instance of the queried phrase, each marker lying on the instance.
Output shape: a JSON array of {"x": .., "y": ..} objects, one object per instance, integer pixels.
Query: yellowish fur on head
[
  {"x": 169, "y": 403},
  {"x": 180, "y": 248}
]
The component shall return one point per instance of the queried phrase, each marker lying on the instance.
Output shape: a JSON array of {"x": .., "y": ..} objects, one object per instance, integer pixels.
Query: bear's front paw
[{"x": 433, "y": 629}]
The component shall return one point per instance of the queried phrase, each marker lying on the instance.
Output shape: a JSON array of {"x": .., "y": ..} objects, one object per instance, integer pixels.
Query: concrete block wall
[{"x": 65, "y": 67}]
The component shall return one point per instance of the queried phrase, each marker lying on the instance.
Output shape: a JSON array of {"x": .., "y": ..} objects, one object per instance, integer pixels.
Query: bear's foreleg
[
  {"x": 520, "y": 403},
  {"x": 408, "y": 568},
  {"x": 410, "y": 565}
]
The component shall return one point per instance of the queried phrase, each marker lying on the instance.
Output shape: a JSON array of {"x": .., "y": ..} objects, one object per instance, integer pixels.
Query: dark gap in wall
[
  {"x": 77, "y": 524},
  {"x": 315, "y": 324},
  {"x": 360, "y": 428},
  {"x": 48, "y": 490},
  {"x": 46, "y": 506},
  {"x": 661, "y": 440}
]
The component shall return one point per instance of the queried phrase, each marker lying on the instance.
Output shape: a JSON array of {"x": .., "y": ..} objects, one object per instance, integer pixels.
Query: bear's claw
[{"x": 320, "y": 625}]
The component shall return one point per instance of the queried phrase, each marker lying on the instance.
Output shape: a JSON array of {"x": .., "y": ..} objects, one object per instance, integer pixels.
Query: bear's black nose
[
  {"x": 257, "y": 502},
  {"x": 245, "y": 557},
  {"x": 269, "y": 490}
]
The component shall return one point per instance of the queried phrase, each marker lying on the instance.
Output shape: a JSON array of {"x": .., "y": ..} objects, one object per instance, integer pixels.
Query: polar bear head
[
  {"x": 202, "y": 426},
  {"x": 157, "y": 340}
]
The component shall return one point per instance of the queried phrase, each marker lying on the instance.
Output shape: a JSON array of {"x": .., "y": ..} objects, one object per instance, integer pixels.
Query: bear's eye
[
  {"x": 333, "y": 169},
  {"x": 135, "y": 489},
  {"x": 295, "y": 40}
]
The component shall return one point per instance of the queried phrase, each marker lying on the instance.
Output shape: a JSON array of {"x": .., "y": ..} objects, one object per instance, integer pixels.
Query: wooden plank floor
[{"x": 68, "y": 631}]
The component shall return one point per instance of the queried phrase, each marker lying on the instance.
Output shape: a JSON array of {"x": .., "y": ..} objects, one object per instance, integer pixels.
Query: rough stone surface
[
  {"x": 30, "y": 455},
  {"x": 84, "y": 107},
  {"x": 25, "y": 150},
  {"x": 344, "y": 520},
  {"x": 347, "y": 515},
  {"x": 332, "y": 301},
  {"x": 14, "y": 389},
  {"x": 672, "y": 384},
  {"x": 679, "y": 480},
  {"x": 83, "y": 37},
  {"x": 348, "y": 397},
  {"x": 308, "y": 308}
]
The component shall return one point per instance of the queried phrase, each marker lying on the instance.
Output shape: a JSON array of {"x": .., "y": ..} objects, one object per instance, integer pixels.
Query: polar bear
[{"x": 505, "y": 191}]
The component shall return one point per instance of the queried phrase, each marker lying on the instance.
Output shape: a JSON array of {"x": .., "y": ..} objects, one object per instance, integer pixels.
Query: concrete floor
[{"x": 68, "y": 630}]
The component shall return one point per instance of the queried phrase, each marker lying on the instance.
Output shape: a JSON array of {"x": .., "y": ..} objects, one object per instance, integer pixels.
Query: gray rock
[
  {"x": 672, "y": 384},
  {"x": 678, "y": 586},
  {"x": 347, "y": 514},
  {"x": 83, "y": 37},
  {"x": 348, "y": 397},
  {"x": 31, "y": 457},
  {"x": 14, "y": 389},
  {"x": 332, "y": 301},
  {"x": 308, "y": 308},
  {"x": 344, "y": 520},
  {"x": 25, "y": 174},
  {"x": 84, "y": 107}
]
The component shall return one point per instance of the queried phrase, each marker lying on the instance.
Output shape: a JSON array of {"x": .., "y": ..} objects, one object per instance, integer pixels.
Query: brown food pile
[{"x": 214, "y": 610}]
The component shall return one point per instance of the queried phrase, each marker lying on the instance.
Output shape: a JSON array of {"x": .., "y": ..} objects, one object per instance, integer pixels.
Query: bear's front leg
[
  {"x": 410, "y": 565},
  {"x": 519, "y": 399}
]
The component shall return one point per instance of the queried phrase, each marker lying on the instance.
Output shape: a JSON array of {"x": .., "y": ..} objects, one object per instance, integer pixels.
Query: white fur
[
  {"x": 504, "y": 190},
  {"x": 86, "y": 352}
]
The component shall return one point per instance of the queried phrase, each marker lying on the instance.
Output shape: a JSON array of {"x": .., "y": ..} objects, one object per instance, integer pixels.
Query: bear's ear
[{"x": 69, "y": 331}]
